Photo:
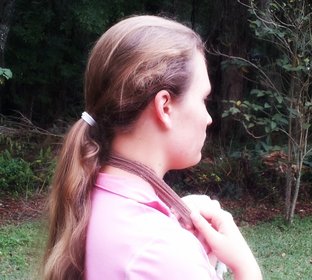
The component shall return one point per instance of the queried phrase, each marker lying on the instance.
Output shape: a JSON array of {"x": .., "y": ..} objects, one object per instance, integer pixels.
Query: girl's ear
[{"x": 163, "y": 108}]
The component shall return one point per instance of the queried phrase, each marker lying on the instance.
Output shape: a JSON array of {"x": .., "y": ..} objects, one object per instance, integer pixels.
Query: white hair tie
[{"x": 88, "y": 119}]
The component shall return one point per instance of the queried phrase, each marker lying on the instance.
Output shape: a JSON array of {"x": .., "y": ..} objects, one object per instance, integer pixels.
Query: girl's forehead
[{"x": 200, "y": 80}]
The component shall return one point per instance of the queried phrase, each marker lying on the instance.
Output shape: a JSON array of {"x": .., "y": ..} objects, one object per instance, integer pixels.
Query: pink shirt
[{"x": 133, "y": 235}]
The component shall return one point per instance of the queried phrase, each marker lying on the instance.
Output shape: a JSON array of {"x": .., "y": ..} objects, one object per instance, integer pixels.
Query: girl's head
[{"x": 130, "y": 63}]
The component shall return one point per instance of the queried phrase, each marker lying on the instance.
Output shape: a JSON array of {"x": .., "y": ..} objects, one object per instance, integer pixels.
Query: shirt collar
[{"x": 134, "y": 188}]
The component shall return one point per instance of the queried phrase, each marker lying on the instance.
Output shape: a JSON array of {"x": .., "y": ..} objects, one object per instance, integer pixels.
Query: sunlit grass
[{"x": 284, "y": 252}]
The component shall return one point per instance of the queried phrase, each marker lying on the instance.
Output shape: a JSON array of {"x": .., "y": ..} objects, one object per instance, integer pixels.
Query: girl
[{"x": 111, "y": 214}]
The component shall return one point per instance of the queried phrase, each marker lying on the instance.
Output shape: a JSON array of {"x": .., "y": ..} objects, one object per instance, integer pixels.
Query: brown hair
[{"x": 129, "y": 64}]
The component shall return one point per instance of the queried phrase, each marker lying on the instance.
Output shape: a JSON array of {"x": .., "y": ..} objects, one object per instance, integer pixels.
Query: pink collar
[{"x": 133, "y": 188}]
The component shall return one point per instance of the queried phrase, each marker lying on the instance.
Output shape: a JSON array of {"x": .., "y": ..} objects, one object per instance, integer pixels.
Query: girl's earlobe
[{"x": 163, "y": 108}]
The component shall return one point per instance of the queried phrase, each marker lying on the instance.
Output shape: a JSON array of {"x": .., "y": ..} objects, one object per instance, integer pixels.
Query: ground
[
  {"x": 245, "y": 211},
  {"x": 19, "y": 209}
]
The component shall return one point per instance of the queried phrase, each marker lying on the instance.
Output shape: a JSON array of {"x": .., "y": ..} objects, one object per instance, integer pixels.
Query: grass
[
  {"x": 19, "y": 250},
  {"x": 284, "y": 252}
]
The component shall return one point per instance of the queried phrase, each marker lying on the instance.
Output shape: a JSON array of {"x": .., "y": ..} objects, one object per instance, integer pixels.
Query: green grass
[
  {"x": 284, "y": 252},
  {"x": 19, "y": 250}
]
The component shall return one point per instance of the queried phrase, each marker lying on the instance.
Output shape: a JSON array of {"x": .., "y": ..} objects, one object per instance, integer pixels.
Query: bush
[
  {"x": 27, "y": 162},
  {"x": 15, "y": 174},
  {"x": 230, "y": 173},
  {"x": 20, "y": 176},
  {"x": 44, "y": 166}
]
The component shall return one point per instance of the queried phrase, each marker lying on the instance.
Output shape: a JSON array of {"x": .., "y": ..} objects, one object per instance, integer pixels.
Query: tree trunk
[
  {"x": 233, "y": 40},
  {"x": 295, "y": 197},
  {"x": 6, "y": 12},
  {"x": 288, "y": 191}
]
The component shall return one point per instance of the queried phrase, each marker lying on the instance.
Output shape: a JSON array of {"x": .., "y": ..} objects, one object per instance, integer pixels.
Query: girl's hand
[
  {"x": 196, "y": 203},
  {"x": 226, "y": 242}
]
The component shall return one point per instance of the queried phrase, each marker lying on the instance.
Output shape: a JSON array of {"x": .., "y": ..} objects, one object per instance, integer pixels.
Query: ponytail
[{"x": 69, "y": 204}]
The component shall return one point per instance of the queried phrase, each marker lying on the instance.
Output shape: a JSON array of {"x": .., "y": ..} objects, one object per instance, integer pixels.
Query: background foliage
[{"x": 254, "y": 52}]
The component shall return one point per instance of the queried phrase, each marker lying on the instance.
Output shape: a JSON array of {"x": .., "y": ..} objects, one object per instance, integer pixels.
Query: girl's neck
[{"x": 165, "y": 193}]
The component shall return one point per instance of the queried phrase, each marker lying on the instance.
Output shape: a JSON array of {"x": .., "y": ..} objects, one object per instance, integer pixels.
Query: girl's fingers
[
  {"x": 218, "y": 218},
  {"x": 200, "y": 202},
  {"x": 205, "y": 228}
]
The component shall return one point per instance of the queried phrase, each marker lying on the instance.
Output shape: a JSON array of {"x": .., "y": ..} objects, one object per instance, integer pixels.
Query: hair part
[{"x": 129, "y": 64}]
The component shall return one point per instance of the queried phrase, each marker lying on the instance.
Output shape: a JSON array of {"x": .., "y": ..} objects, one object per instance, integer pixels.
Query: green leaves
[
  {"x": 6, "y": 73},
  {"x": 280, "y": 108},
  {"x": 15, "y": 174},
  {"x": 302, "y": 63},
  {"x": 263, "y": 111},
  {"x": 90, "y": 17}
]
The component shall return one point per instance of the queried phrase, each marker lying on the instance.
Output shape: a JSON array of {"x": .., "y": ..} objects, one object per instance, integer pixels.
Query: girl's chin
[{"x": 193, "y": 162}]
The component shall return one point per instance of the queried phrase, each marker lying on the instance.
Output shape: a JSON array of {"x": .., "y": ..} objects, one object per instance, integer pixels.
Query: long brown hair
[{"x": 129, "y": 64}]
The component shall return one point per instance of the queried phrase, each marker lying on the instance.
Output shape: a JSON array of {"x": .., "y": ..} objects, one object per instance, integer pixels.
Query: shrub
[
  {"x": 15, "y": 174},
  {"x": 232, "y": 173},
  {"x": 27, "y": 161},
  {"x": 44, "y": 166}
]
